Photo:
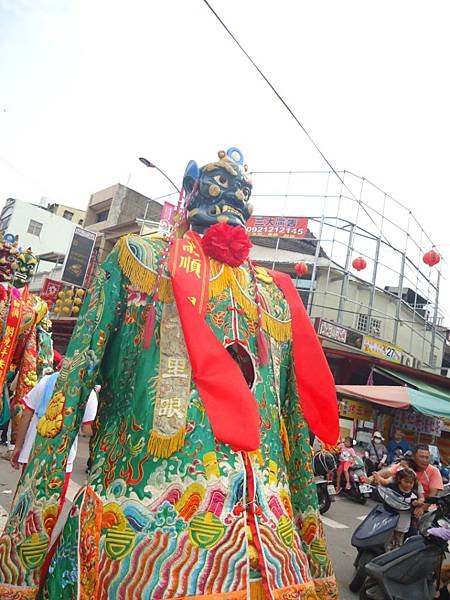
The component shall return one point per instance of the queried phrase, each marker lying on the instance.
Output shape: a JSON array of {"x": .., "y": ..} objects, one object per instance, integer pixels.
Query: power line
[
  {"x": 293, "y": 115},
  {"x": 272, "y": 87}
]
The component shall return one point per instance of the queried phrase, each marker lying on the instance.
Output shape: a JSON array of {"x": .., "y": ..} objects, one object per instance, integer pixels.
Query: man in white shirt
[{"x": 27, "y": 427}]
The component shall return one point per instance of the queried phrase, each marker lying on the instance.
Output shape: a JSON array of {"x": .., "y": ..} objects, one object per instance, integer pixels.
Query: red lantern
[
  {"x": 431, "y": 258},
  {"x": 301, "y": 268},
  {"x": 359, "y": 263}
]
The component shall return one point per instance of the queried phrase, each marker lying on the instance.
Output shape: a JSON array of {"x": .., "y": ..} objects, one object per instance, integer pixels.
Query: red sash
[
  {"x": 315, "y": 382},
  {"x": 229, "y": 404},
  {"x": 11, "y": 332}
]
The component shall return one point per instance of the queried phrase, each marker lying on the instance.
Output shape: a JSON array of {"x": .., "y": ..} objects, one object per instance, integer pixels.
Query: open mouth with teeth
[{"x": 226, "y": 210}]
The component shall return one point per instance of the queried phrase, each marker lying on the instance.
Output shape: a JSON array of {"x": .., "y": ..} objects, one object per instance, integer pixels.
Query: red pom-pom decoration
[
  {"x": 227, "y": 244},
  {"x": 301, "y": 268},
  {"x": 431, "y": 258},
  {"x": 359, "y": 263}
]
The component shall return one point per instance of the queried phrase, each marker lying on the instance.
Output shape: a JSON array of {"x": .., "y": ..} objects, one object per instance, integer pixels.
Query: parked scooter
[
  {"x": 324, "y": 467},
  {"x": 373, "y": 535},
  {"x": 412, "y": 572},
  {"x": 359, "y": 490}
]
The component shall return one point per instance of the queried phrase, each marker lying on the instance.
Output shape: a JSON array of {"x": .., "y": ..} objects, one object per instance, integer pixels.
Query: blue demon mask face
[{"x": 219, "y": 192}]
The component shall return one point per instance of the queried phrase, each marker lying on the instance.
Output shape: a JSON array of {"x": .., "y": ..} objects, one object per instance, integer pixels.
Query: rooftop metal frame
[{"x": 368, "y": 223}]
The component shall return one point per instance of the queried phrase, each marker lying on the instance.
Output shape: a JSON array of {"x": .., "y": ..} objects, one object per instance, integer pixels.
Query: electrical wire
[
  {"x": 272, "y": 87},
  {"x": 293, "y": 115}
]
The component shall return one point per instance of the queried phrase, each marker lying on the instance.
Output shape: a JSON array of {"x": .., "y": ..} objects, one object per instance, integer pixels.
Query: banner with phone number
[{"x": 277, "y": 227}]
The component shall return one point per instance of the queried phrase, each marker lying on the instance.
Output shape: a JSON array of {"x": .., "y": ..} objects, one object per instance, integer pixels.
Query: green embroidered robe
[{"x": 169, "y": 512}]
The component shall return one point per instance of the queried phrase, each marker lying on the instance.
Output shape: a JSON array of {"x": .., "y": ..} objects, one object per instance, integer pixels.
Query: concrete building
[
  {"x": 116, "y": 211},
  {"x": 37, "y": 228},
  {"x": 75, "y": 215},
  {"x": 394, "y": 331}
]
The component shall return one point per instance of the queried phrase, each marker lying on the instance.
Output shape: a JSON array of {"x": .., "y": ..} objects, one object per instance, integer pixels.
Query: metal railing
[{"x": 350, "y": 217}]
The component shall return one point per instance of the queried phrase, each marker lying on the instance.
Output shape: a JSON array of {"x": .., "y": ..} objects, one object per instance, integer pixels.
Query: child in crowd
[
  {"x": 405, "y": 483},
  {"x": 346, "y": 460}
]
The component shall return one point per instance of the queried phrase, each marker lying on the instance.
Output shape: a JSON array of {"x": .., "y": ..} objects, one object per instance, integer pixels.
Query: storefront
[
  {"x": 422, "y": 416},
  {"x": 356, "y": 419},
  {"x": 351, "y": 354}
]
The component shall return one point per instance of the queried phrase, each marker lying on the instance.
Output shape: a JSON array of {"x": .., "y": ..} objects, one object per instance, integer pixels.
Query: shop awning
[
  {"x": 400, "y": 396},
  {"x": 428, "y": 404},
  {"x": 413, "y": 382},
  {"x": 394, "y": 396}
]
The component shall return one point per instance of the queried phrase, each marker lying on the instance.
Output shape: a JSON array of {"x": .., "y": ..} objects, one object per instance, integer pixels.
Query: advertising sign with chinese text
[
  {"x": 418, "y": 423},
  {"x": 338, "y": 333},
  {"x": 381, "y": 349},
  {"x": 352, "y": 409},
  {"x": 277, "y": 227},
  {"x": 77, "y": 260}
]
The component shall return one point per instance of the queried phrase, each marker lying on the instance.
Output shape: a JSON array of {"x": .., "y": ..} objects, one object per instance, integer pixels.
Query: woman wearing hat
[{"x": 377, "y": 452}]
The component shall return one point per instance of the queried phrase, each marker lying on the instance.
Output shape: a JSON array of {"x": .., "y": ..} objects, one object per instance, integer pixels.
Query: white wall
[
  {"x": 55, "y": 236},
  {"x": 413, "y": 335}
]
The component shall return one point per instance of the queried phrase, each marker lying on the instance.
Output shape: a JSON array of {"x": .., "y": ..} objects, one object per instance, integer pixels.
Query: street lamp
[{"x": 149, "y": 164}]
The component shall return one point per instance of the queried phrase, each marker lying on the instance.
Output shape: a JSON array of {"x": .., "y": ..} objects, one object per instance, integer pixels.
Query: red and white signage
[
  {"x": 50, "y": 290},
  {"x": 278, "y": 227},
  {"x": 166, "y": 218}
]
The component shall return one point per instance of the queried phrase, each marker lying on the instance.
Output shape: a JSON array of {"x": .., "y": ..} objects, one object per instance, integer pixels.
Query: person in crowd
[
  {"x": 397, "y": 446},
  {"x": 377, "y": 453},
  {"x": 35, "y": 404},
  {"x": 346, "y": 460},
  {"x": 406, "y": 484},
  {"x": 427, "y": 475}
]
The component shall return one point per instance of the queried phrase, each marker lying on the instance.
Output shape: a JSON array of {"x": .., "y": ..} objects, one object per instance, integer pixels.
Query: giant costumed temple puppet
[
  {"x": 26, "y": 348},
  {"x": 211, "y": 374}
]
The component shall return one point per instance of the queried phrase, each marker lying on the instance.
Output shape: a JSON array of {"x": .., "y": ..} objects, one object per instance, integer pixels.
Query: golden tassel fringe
[
  {"x": 164, "y": 446},
  {"x": 141, "y": 276},
  {"x": 223, "y": 277},
  {"x": 257, "y": 590}
]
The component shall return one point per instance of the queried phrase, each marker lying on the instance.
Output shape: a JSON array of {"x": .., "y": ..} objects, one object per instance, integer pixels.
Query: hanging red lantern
[
  {"x": 301, "y": 268},
  {"x": 431, "y": 258},
  {"x": 359, "y": 263}
]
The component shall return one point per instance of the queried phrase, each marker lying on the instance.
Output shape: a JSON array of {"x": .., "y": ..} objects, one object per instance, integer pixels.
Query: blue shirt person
[{"x": 397, "y": 443}]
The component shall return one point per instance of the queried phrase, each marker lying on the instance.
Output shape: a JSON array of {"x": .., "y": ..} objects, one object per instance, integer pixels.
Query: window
[
  {"x": 369, "y": 325},
  {"x": 362, "y": 323},
  {"x": 68, "y": 215},
  {"x": 34, "y": 228},
  {"x": 102, "y": 216}
]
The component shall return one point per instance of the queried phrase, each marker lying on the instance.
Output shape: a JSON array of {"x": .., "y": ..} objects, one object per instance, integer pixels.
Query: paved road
[{"x": 340, "y": 520}]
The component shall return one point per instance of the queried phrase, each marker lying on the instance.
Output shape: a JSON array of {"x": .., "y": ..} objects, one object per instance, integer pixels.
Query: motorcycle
[
  {"x": 324, "y": 465},
  {"x": 373, "y": 535},
  {"x": 359, "y": 490},
  {"x": 412, "y": 572}
]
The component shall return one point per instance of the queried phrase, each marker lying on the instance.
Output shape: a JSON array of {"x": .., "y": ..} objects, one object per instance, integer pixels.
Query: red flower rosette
[{"x": 227, "y": 244}]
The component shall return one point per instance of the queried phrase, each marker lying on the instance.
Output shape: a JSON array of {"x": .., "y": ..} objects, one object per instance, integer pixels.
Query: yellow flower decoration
[{"x": 51, "y": 423}]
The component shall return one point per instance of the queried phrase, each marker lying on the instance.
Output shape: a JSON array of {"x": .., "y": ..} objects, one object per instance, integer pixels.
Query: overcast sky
[{"x": 88, "y": 86}]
